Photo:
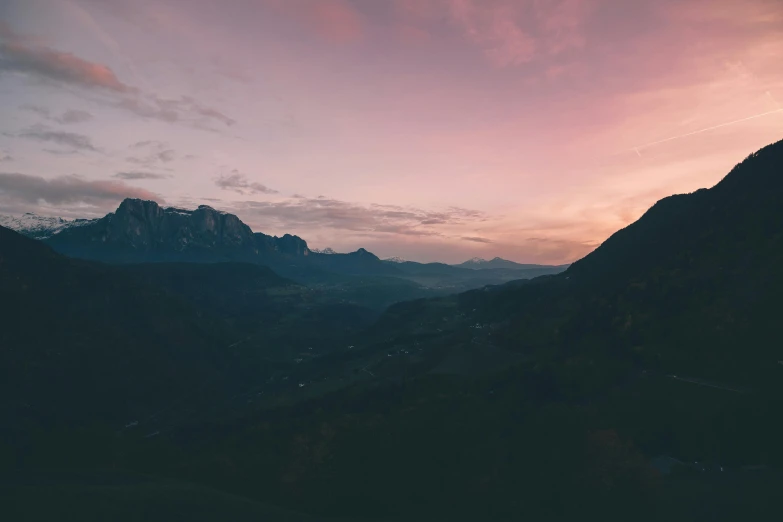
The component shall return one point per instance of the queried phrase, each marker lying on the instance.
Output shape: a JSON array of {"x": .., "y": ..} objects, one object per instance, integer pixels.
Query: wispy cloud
[
  {"x": 510, "y": 32},
  {"x": 17, "y": 55},
  {"x": 239, "y": 183},
  {"x": 334, "y": 20},
  {"x": 148, "y": 143},
  {"x": 45, "y": 63},
  {"x": 310, "y": 213},
  {"x": 68, "y": 117},
  {"x": 181, "y": 110},
  {"x": 22, "y": 191},
  {"x": 67, "y": 139},
  {"x": 475, "y": 239},
  {"x": 74, "y": 116},
  {"x": 136, "y": 174},
  {"x": 156, "y": 152}
]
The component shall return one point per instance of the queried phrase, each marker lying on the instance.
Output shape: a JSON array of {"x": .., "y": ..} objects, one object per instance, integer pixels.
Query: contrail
[{"x": 705, "y": 130}]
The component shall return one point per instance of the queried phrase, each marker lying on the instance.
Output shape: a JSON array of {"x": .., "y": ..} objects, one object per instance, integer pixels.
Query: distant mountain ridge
[
  {"x": 150, "y": 228},
  {"x": 478, "y": 263},
  {"x": 40, "y": 227},
  {"x": 142, "y": 231}
]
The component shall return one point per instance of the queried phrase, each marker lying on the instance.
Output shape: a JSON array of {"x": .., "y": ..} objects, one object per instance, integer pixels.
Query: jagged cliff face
[
  {"x": 145, "y": 229},
  {"x": 144, "y": 224},
  {"x": 142, "y": 232}
]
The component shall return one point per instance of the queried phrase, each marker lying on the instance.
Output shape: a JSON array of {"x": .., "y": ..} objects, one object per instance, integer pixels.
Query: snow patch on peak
[
  {"x": 326, "y": 250},
  {"x": 179, "y": 211},
  {"x": 40, "y": 227},
  {"x": 396, "y": 260}
]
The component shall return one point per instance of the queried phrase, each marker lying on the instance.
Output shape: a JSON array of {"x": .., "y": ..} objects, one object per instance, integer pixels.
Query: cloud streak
[
  {"x": 18, "y": 188},
  {"x": 135, "y": 174},
  {"x": 476, "y": 239},
  {"x": 69, "y": 117},
  {"x": 706, "y": 129},
  {"x": 335, "y": 21},
  {"x": 159, "y": 152},
  {"x": 51, "y": 66},
  {"x": 510, "y": 32},
  {"x": 74, "y": 116},
  {"x": 310, "y": 213},
  {"x": 68, "y": 139},
  {"x": 239, "y": 183}
]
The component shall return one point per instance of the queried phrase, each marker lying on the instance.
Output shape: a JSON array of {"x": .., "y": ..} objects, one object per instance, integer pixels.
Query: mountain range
[
  {"x": 478, "y": 263},
  {"x": 142, "y": 232},
  {"x": 40, "y": 227}
]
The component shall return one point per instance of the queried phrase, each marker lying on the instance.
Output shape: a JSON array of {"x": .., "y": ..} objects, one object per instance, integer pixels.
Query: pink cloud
[
  {"x": 17, "y": 55},
  {"x": 494, "y": 28},
  {"x": 562, "y": 23},
  {"x": 509, "y": 32},
  {"x": 67, "y": 190},
  {"x": 412, "y": 35},
  {"x": 334, "y": 20},
  {"x": 337, "y": 20},
  {"x": 58, "y": 66}
]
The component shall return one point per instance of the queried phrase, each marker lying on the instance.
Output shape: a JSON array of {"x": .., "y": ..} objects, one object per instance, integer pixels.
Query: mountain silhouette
[
  {"x": 142, "y": 231},
  {"x": 87, "y": 341},
  {"x": 478, "y": 263},
  {"x": 691, "y": 286}
]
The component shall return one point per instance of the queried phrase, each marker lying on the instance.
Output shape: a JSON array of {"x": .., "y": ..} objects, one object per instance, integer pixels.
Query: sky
[{"x": 432, "y": 130}]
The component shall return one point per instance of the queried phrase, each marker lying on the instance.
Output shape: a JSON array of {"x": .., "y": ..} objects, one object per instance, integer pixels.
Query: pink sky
[{"x": 426, "y": 129}]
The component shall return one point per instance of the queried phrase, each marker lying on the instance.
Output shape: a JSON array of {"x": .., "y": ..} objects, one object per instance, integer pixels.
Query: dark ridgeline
[
  {"x": 482, "y": 264},
  {"x": 664, "y": 342},
  {"x": 143, "y": 231}
]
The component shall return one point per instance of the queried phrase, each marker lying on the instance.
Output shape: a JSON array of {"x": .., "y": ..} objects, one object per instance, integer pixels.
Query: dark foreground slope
[
  {"x": 692, "y": 286},
  {"x": 82, "y": 340}
]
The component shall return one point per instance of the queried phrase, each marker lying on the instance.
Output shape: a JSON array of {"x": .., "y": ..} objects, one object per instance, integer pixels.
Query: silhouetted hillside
[
  {"x": 82, "y": 339},
  {"x": 143, "y": 231},
  {"x": 726, "y": 227},
  {"x": 478, "y": 263}
]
